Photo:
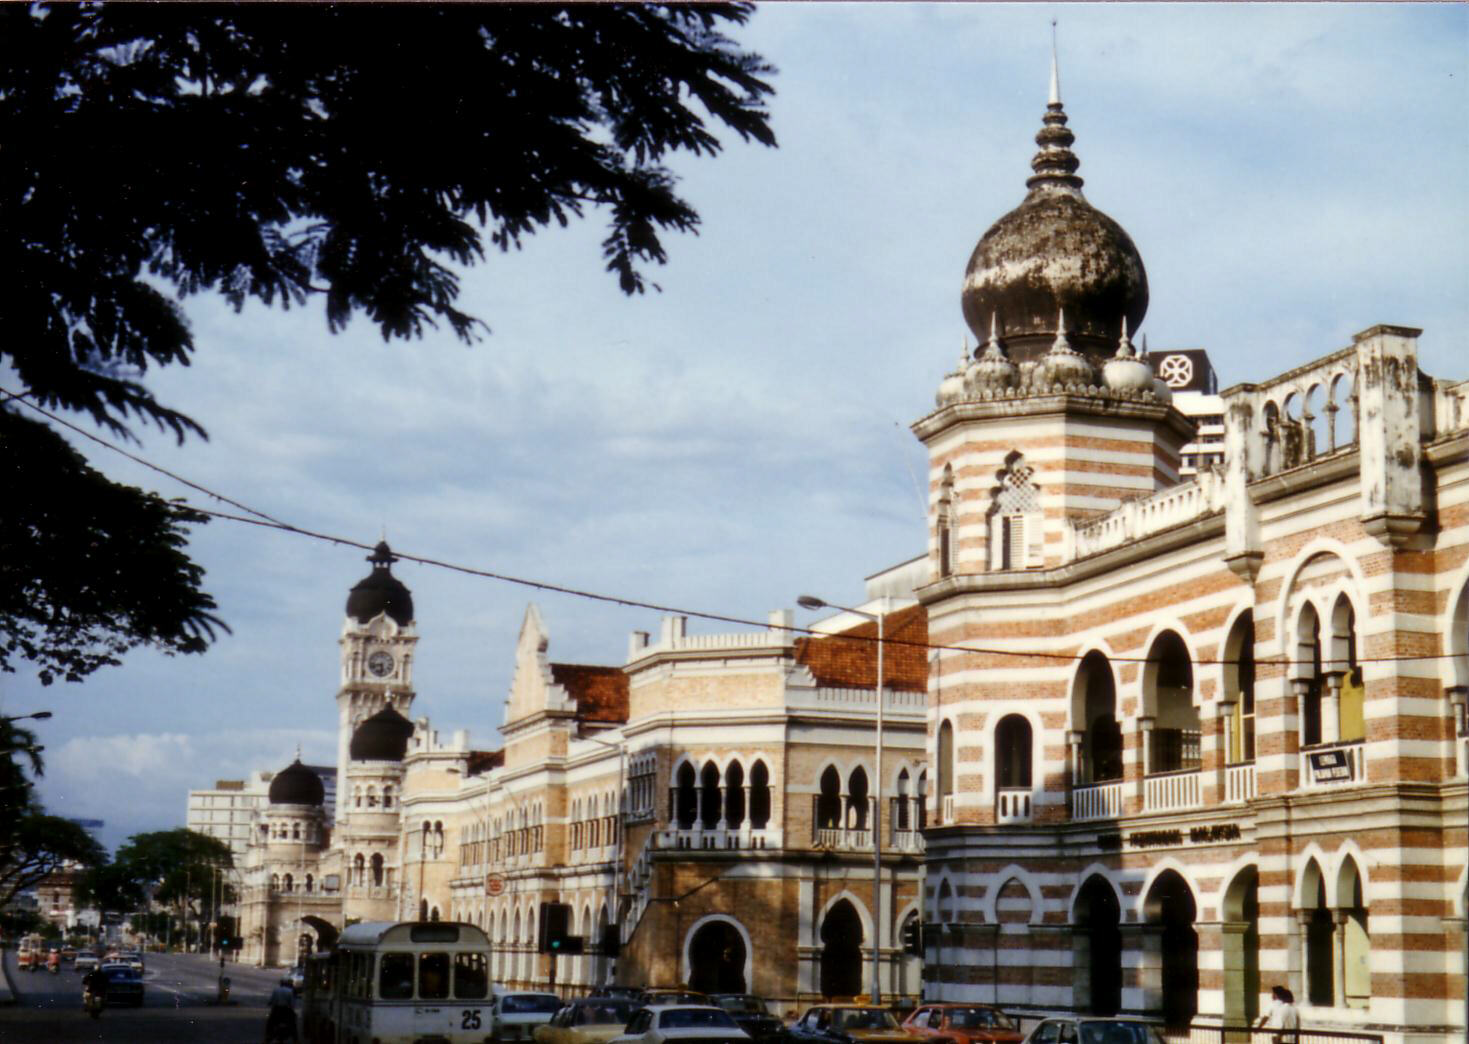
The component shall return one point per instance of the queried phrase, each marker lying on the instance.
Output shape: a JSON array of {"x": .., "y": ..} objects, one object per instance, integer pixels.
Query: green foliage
[
  {"x": 172, "y": 866},
  {"x": 351, "y": 154},
  {"x": 37, "y": 845}
]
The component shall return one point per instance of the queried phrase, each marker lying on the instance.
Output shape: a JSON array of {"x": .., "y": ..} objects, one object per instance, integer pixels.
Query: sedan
[
  {"x": 591, "y": 1020},
  {"x": 963, "y": 1024},
  {"x": 752, "y": 1016},
  {"x": 851, "y": 1024},
  {"x": 85, "y": 961},
  {"x": 1083, "y": 1030},
  {"x": 682, "y": 1023},
  {"x": 124, "y": 986}
]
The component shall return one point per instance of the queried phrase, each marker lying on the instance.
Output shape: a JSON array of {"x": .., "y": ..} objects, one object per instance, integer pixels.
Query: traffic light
[
  {"x": 555, "y": 922},
  {"x": 611, "y": 939},
  {"x": 913, "y": 937}
]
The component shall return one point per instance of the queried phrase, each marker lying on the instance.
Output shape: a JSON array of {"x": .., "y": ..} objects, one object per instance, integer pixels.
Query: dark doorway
[
  {"x": 717, "y": 959},
  {"x": 1170, "y": 903},
  {"x": 1098, "y": 914},
  {"x": 841, "y": 952}
]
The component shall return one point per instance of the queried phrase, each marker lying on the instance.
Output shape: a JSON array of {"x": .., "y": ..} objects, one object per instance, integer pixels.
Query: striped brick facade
[{"x": 1110, "y": 828}]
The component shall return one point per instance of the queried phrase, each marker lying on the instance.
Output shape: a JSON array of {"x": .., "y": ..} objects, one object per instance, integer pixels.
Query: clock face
[{"x": 380, "y": 663}]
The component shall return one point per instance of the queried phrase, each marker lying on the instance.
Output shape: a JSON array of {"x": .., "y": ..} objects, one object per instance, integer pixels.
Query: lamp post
[
  {"x": 37, "y": 716},
  {"x": 812, "y": 602}
]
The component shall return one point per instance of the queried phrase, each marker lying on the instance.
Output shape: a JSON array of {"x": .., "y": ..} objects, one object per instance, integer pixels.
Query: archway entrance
[
  {"x": 1242, "y": 948},
  {"x": 841, "y": 952},
  {"x": 1098, "y": 941},
  {"x": 1170, "y": 904},
  {"x": 717, "y": 959}
]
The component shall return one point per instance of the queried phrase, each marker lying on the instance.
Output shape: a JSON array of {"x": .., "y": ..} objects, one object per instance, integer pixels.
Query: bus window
[
  {"x": 433, "y": 976},
  {"x": 395, "y": 979},
  {"x": 471, "y": 976}
]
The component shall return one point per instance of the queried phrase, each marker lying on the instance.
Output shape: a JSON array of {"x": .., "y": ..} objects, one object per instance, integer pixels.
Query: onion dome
[
  {"x": 951, "y": 388},
  {"x": 1055, "y": 251},
  {"x": 382, "y": 737},
  {"x": 1125, "y": 371},
  {"x": 296, "y": 785},
  {"x": 380, "y": 591},
  {"x": 1063, "y": 365},
  {"x": 993, "y": 371}
]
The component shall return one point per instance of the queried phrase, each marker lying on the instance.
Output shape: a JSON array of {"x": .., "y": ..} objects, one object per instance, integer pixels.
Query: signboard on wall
[{"x": 1329, "y": 766}]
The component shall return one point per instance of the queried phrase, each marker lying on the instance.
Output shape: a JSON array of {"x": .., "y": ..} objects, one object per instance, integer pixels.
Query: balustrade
[
  {"x": 1099, "y": 801},
  {"x": 1013, "y": 805},
  {"x": 948, "y": 805},
  {"x": 1172, "y": 790},
  {"x": 1239, "y": 783}
]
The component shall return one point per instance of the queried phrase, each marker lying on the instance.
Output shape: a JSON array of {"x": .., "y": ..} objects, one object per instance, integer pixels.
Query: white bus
[{"x": 389, "y": 983}]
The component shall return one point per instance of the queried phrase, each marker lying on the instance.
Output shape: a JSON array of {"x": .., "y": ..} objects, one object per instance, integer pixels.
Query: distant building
[
  {"x": 1190, "y": 378},
  {"x": 227, "y": 811}
]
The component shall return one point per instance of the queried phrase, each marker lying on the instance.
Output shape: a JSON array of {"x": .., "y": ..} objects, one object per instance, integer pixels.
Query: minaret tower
[{"x": 377, "y": 643}]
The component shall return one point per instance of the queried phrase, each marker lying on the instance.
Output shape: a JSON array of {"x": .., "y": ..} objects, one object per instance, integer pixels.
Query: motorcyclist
[
  {"x": 281, "y": 1023},
  {"x": 53, "y": 962},
  {"x": 94, "y": 986}
]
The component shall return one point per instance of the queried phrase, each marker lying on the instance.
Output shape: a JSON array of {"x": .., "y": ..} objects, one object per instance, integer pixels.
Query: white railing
[
  {"x": 1170, "y": 791},
  {"x": 1148, "y": 515},
  {"x": 906, "y": 841},
  {"x": 744, "y": 838},
  {"x": 1012, "y": 805},
  {"x": 1100, "y": 801},
  {"x": 948, "y": 806},
  {"x": 1333, "y": 765},
  {"x": 842, "y": 839},
  {"x": 894, "y": 701},
  {"x": 1239, "y": 783}
]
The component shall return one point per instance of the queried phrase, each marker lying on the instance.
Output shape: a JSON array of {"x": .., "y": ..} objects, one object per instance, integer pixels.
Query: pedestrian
[
  {"x": 1282, "y": 1016},
  {"x": 280, "y": 1025}
]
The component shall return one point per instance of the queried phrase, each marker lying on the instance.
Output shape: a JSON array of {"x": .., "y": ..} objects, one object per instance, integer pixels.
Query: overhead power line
[{"x": 255, "y": 517}]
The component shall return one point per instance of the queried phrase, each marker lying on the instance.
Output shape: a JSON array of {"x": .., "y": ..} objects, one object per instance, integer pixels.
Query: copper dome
[
  {"x": 296, "y": 785},
  {"x": 382, "y": 737},
  {"x": 1055, "y": 252},
  {"x": 380, "y": 591}
]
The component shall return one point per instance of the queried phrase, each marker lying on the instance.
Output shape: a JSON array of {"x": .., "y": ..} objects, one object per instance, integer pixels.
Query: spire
[
  {"x": 1055, "y": 98},
  {"x": 964, "y": 355},
  {"x": 1060, "y": 344},
  {"x": 993, "y": 349},
  {"x": 1055, "y": 164},
  {"x": 1124, "y": 346}
]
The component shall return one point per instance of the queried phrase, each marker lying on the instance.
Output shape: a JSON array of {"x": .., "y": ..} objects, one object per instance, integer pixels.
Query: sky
[{"x": 1291, "y": 175}]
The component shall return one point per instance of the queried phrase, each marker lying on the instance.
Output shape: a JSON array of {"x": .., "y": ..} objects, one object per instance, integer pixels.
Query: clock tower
[{"x": 377, "y": 643}]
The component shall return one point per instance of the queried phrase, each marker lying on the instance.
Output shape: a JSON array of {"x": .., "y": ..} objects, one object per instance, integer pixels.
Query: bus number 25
[{"x": 470, "y": 1020}]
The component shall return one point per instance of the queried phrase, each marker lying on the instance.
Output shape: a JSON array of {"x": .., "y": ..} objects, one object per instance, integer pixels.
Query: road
[{"x": 178, "y": 1006}]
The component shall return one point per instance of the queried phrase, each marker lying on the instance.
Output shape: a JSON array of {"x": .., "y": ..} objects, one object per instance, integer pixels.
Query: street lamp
[
  {"x": 812, "y": 602},
  {"x": 38, "y": 716}
]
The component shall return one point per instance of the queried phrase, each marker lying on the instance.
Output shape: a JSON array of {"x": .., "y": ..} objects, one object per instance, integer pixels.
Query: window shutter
[{"x": 1035, "y": 537}]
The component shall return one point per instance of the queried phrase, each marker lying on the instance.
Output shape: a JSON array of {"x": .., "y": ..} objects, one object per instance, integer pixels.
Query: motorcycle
[
  {"x": 93, "y": 1002},
  {"x": 53, "y": 963}
]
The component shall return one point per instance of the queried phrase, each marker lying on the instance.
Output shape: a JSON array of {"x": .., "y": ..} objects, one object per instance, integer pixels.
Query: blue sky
[{"x": 1291, "y": 174}]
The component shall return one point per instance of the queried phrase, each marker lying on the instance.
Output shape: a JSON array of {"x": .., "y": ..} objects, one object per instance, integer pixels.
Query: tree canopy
[
  {"x": 358, "y": 155},
  {"x": 176, "y": 867}
]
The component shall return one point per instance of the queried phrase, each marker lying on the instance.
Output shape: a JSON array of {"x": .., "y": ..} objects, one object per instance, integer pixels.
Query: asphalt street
[{"x": 179, "y": 1005}]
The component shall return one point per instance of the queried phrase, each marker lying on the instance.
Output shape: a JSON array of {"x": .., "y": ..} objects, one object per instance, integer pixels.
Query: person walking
[{"x": 1282, "y": 1016}]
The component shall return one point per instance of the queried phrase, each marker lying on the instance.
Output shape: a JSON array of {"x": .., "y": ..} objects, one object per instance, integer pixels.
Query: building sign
[
  {"x": 1330, "y": 766},
  {"x": 1195, "y": 835}
]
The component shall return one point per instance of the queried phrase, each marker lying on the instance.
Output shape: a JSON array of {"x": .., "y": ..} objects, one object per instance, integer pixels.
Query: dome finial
[
  {"x": 1124, "y": 346},
  {"x": 1055, "y": 98},
  {"x": 1061, "y": 344}
]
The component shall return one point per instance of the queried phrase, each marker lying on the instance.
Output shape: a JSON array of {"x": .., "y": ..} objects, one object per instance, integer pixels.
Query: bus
[{"x": 388, "y": 983}]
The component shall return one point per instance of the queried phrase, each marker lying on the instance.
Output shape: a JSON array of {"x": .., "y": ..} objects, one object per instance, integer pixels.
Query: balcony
[
  {"x": 1098, "y": 801},
  {"x": 906, "y": 840},
  {"x": 1013, "y": 805},
  {"x": 1170, "y": 791},
  {"x": 741, "y": 838},
  {"x": 1332, "y": 765},
  {"x": 842, "y": 839},
  {"x": 1239, "y": 783}
]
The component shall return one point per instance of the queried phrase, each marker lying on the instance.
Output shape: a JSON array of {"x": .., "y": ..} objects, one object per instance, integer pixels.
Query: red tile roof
[
  {"x": 846, "y": 661},
  {"x": 600, "y": 692}
]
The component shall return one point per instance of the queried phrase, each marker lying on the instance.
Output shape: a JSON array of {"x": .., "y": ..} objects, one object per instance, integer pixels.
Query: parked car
[
  {"x": 515, "y": 1014},
  {"x": 631, "y": 993},
  {"x": 133, "y": 959},
  {"x": 963, "y": 1024},
  {"x": 1082, "y": 1029},
  {"x": 851, "y": 1024},
  {"x": 753, "y": 1016},
  {"x": 85, "y": 961},
  {"x": 124, "y": 985},
  {"x": 590, "y": 1020},
  {"x": 681, "y": 1024},
  {"x": 68, "y": 953},
  {"x": 672, "y": 995}
]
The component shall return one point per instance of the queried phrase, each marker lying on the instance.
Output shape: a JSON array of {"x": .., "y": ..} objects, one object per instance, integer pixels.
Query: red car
[{"x": 963, "y": 1024}]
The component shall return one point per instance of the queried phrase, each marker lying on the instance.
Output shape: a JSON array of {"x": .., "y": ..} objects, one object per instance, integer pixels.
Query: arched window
[
  {"x": 900, "y": 805},
  {"x": 829, "y": 801},
  {"x": 945, "y": 522},
  {"x": 857, "y": 799},
  {"x": 438, "y": 839},
  {"x": 1016, "y": 525},
  {"x": 357, "y": 864},
  {"x": 1307, "y": 675},
  {"x": 1101, "y": 745},
  {"x": 685, "y": 799},
  {"x": 295, "y": 831},
  {"x": 1239, "y": 688},
  {"x": 275, "y": 882},
  {"x": 372, "y": 797},
  {"x": 734, "y": 796},
  {"x": 423, "y": 909},
  {"x": 759, "y": 796},
  {"x": 356, "y": 797},
  {"x": 923, "y": 799},
  {"x": 387, "y": 795},
  {"x": 289, "y": 883},
  {"x": 946, "y": 765},
  {"x": 310, "y": 883},
  {"x": 1168, "y": 695},
  {"x": 377, "y": 868},
  {"x": 709, "y": 801},
  {"x": 1347, "y": 673},
  {"x": 1013, "y": 752}
]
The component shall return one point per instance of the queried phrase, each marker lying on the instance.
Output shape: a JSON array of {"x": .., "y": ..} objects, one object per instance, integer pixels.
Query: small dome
[
  {"x": 380, "y": 591},
  {"x": 1063, "y": 365},
  {"x": 296, "y": 785},
  {"x": 382, "y": 737},
  {"x": 993, "y": 371},
  {"x": 1125, "y": 372},
  {"x": 1055, "y": 251}
]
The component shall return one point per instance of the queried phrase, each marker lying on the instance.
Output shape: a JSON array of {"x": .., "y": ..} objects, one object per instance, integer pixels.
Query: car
[
  {"x": 514, "y": 1014},
  {"x": 133, "y": 959},
  {"x": 124, "y": 985},
  {"x": 963, "y": 1024},
  {"x": 850, "y": 1024},
  {"x": 1084, "y": 1029},
  {"x": 589, "y": 1020},
  {"x": 85, "y": 961},
  {"x": 68, "y": 953},
  {"x": 631, "y": 993},
  {"x": 672, "y": 995},
  {"x": 753, "y": 1016},
  {"x": 681, "y": 1024}
]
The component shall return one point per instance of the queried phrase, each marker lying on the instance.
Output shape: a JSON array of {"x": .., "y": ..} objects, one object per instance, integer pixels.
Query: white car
[
  {"x": 514, "y": 1015},
  {"x": 681, "y": 1023},
  {"x": 133, "y": 959},
  {"x": 85, "y": 962}
]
